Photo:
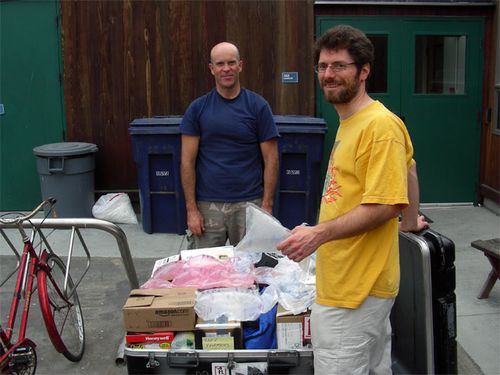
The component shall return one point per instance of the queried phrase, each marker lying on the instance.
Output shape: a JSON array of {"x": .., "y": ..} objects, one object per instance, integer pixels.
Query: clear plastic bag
[
  {"x": 263, "y": 231},
  {"x": 115, "y": 207},
  {"x": 233, "y": 303},
  {"x": 288, "y": 281}
]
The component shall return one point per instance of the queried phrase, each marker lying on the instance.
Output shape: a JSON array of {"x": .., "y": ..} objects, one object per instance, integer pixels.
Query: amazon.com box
[{"x": 159, "y": 310}]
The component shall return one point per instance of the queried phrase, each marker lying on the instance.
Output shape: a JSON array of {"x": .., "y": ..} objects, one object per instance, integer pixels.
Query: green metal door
[
  {"x": 31, "y": 98},
  {"x": 426, "y": 71}
]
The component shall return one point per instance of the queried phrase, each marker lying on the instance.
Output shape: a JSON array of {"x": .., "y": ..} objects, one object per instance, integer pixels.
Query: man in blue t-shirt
[{"x": 229, "y": 154}]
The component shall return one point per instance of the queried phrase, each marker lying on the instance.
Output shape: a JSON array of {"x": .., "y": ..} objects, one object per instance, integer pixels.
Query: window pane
[
  {"x": 440, "y": 64},
  {"x": 377, "y": 82}
]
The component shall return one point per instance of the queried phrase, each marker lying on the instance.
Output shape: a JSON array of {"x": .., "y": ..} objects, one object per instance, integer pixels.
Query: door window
[
  {"x": 377, "y": 82},
  {"x": 440, "y": 64}
]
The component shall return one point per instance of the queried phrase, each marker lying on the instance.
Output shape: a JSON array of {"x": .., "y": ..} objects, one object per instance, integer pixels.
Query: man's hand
[
  {"x": 195, "y": 222},
  {"x": 267, "y": 207},
  {"x": 301, "y": 243},
  {"x": 416, "y": 226}
]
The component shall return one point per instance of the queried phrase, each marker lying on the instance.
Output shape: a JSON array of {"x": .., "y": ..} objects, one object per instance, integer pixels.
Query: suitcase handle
[
  {"x": 289, "y": 358},
  {"x": 183, "y": 359},
  {"x": 441, "y": 249}
]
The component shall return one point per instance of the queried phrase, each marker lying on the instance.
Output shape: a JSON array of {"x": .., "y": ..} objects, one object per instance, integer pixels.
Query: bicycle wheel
[{"x": 63, "y": 316}]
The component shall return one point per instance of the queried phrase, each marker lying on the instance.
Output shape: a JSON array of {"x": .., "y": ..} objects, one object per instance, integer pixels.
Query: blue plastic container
[
  {"x": 298, "y": 193},
  {"x": 156, "y": 146}
]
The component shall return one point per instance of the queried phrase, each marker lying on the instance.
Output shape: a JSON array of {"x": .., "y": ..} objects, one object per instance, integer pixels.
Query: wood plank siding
[{"x": 129, "y": 59}]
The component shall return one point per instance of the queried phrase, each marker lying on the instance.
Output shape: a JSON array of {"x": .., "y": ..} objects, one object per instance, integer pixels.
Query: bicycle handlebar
[{"x": 19, "y": 219}]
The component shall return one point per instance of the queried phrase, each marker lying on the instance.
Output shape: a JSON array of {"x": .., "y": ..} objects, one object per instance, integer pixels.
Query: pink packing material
[
  {"x": 168, "y": 271},
  {"x": 202, "y": 272},
  {"x": 156, "y": 283},
  {"x": 161, "y": 277}
]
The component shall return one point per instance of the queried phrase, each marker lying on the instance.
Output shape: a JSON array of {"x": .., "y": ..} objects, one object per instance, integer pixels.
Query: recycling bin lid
[
  {"x": 300, "y": 124},
  {"x": 158, "y": 121},
  {"x": 65, "y": 149},
  {"x": 298, "y": 120}
]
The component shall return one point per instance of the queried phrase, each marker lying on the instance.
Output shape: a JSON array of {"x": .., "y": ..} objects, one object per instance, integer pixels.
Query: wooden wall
[{"x": 129, "y": 59}]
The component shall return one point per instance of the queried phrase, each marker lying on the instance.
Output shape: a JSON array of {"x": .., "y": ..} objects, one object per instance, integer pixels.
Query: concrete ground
[{"x": 105, "y": 287}]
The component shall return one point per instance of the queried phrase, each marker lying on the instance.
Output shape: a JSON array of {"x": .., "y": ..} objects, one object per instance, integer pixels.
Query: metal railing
[{"x": 75, "y": 224}]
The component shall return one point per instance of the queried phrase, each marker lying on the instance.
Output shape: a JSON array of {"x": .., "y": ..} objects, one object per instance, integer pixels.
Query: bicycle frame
[
  {"x": 58, "y": 297},
  {"x": 25, "y": 277},
  {"x": 30, "y": 264}
]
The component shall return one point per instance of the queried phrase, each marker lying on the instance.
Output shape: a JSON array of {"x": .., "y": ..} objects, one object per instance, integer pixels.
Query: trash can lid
[
  {"x": 295, "y": 120},
  {"x": 65, "y": 149},
  {"x": 158, "y": 121}
]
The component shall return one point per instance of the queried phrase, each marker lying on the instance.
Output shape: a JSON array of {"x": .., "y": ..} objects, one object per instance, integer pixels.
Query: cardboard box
[
  {"x": 159, "y": 310},
  {"x": 218, "y": 336},
  {"x": 293, "y": 331},
  {"x": 160, "y": 340}
]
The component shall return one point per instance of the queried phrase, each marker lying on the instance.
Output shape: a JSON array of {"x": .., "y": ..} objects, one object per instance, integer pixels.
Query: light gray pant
[
  {"x": 352, "y": 341},
  {"x": 223, "y": 221}
]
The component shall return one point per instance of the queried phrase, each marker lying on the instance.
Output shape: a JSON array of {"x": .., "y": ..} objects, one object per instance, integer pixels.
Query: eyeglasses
[{"x": 336, "y": 67}]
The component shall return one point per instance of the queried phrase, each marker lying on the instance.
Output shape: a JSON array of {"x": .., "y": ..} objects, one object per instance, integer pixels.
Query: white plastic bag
[
  {"x": 234, "y": 303},
  {"x": 115, "y": 207},
  {"x": 263, "y": 231}
]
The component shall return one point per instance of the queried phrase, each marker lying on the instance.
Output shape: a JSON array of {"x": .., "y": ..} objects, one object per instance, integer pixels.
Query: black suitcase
[
  {"x": 424, "y": 314},
  {"x": 219, "y": 362}
]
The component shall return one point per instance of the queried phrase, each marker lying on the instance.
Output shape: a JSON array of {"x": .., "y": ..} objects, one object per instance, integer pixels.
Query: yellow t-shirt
[{"x": 368, "y": 164}]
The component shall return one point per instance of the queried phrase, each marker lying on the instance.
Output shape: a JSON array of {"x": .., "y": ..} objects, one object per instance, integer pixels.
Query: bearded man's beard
[{"x": 347, "y": 92}]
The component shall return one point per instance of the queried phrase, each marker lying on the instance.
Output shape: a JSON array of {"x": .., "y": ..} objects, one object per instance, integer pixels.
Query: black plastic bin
[
  {"x": 66, "y": 173},
  {"x": 298, "y": 194},
  {"x": 156, "y": 146}
]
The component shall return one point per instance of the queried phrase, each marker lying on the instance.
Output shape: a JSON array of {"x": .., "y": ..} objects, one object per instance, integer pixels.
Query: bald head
[
  {"x": 226, "y": 66},
  {"x": 224, "y": 48}
]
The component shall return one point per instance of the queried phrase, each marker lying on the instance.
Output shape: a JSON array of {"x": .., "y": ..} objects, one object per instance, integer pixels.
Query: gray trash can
[{"x": 67, "y": 173}]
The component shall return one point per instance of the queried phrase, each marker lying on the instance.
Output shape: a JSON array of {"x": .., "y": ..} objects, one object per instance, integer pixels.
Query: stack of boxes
[{"x": 153, "y": 318}]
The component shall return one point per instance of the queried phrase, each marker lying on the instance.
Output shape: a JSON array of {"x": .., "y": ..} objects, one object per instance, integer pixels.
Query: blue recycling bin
[
  {"x": 156, "y": 149},
  {"x": 298, "y": 194},
  {"x": 156, "y": 146}
]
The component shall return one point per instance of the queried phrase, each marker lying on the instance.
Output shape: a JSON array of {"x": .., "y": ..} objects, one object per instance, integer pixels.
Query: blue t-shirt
[{"x": 229, "y": 164}]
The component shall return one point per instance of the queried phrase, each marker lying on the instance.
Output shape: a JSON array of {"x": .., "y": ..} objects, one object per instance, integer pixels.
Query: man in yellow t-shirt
[{"x": 371, "y": 179}]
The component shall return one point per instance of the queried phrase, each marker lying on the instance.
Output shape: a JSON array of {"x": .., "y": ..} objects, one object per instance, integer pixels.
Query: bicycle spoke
[{"x": 62, "y": 315}]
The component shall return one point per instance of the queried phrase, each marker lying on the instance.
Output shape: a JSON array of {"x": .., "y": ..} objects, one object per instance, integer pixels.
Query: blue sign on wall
[{"x": 290, "y": 77}]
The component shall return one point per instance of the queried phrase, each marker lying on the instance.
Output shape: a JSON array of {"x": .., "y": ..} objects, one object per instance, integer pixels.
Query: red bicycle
[{"x": 58, "y": 301}]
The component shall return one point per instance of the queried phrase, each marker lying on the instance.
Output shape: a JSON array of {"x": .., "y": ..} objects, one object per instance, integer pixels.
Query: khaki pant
[
  {"x": 352, "y": 341},
  {"x": 223, "y": 221}
]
